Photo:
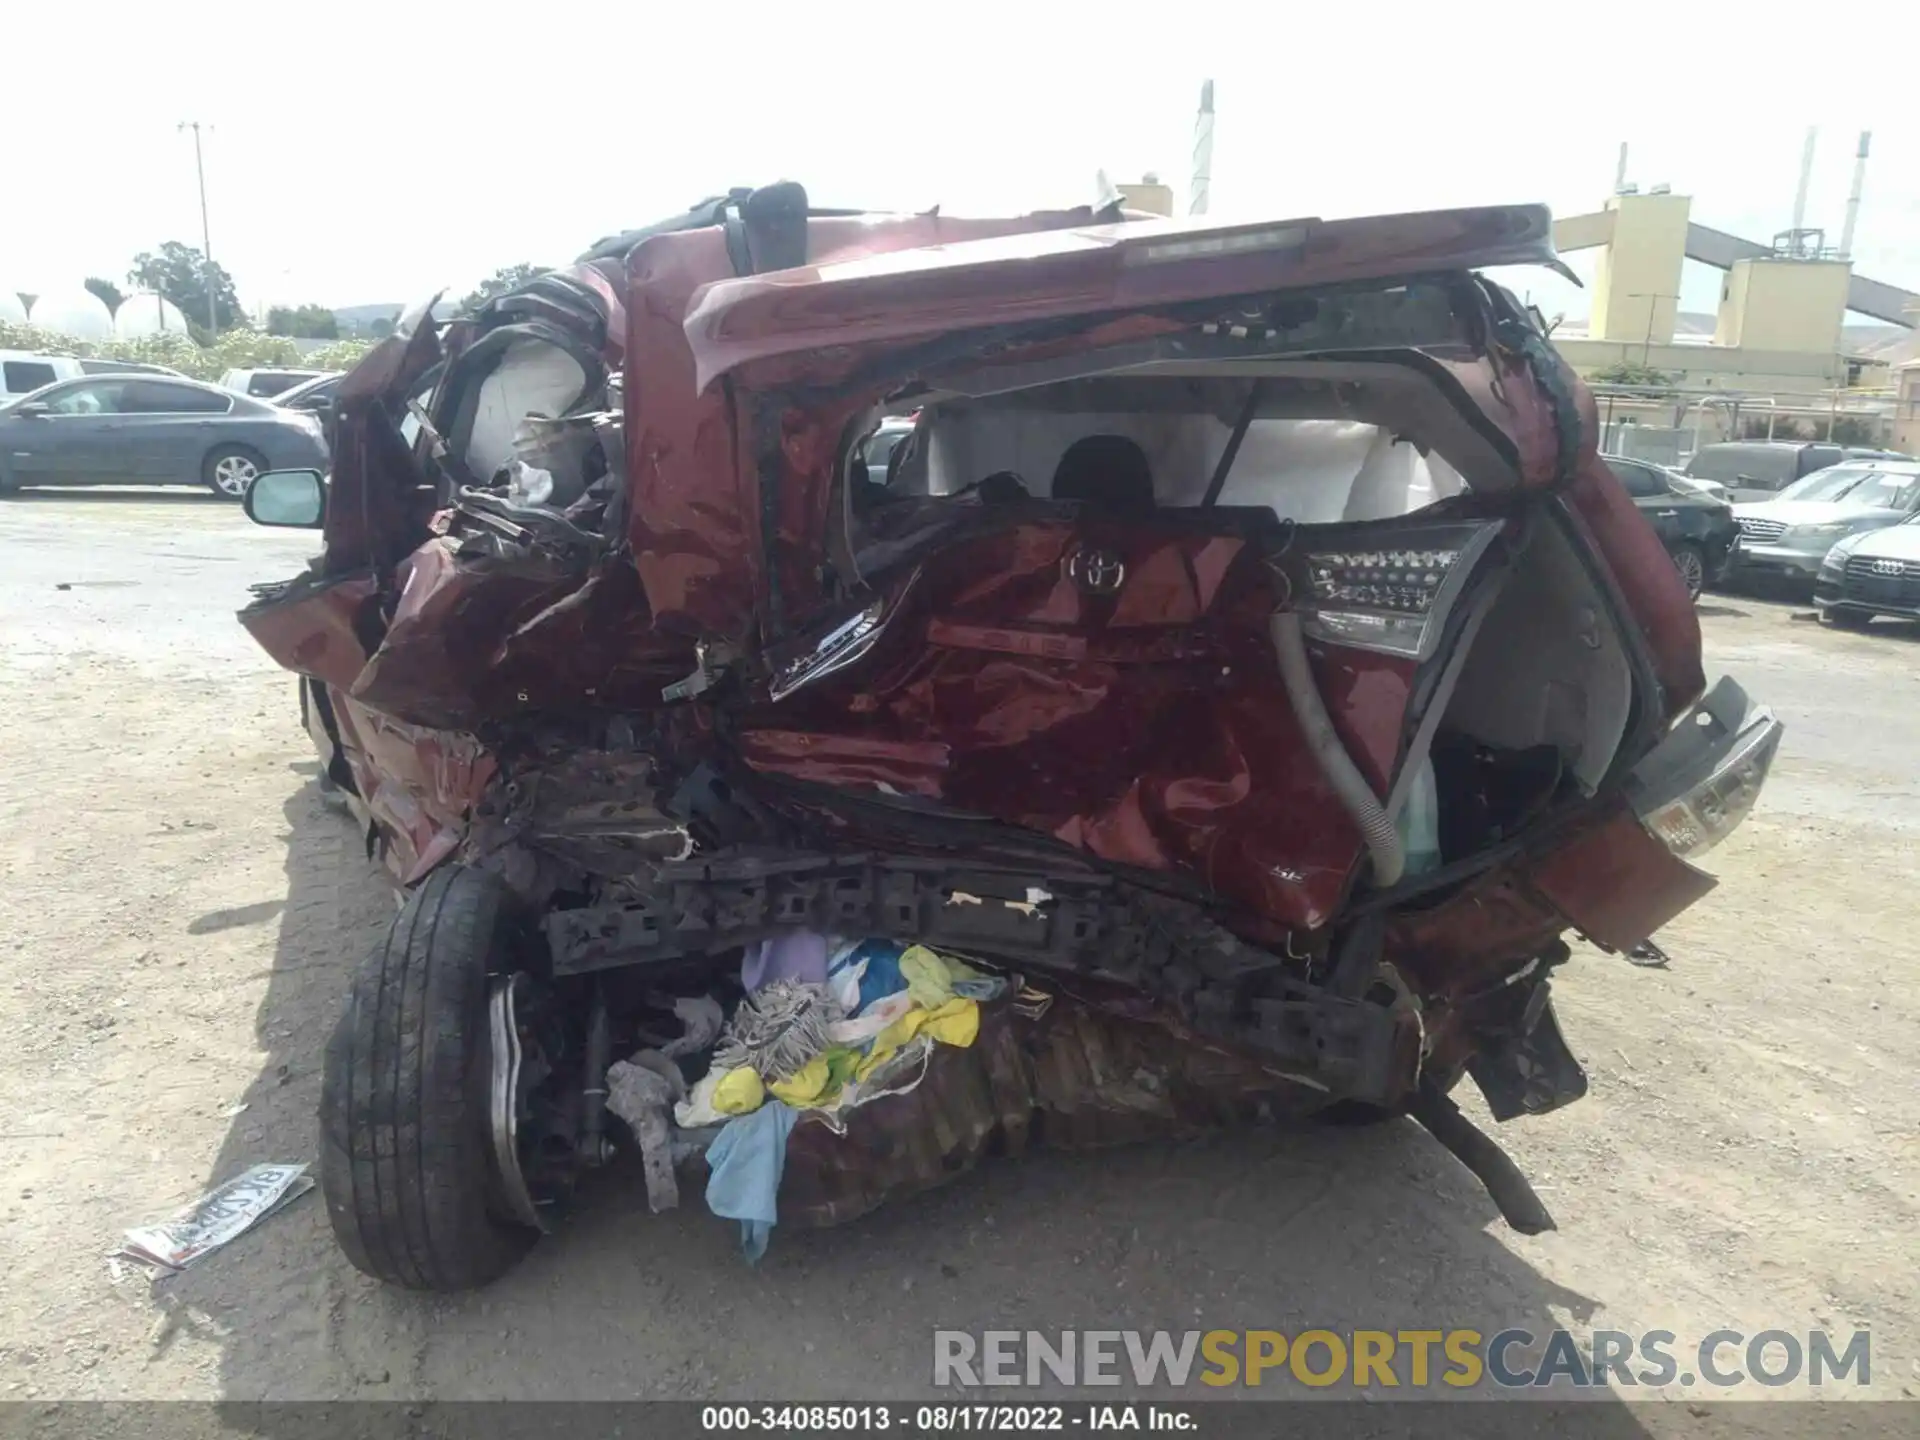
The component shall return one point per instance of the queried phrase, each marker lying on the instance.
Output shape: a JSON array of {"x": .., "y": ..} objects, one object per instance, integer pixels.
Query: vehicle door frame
[{"x": 73, "y": 447}]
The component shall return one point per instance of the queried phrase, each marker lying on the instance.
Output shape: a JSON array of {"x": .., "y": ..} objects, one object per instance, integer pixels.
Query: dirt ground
[{"x": 180, "y": 912}]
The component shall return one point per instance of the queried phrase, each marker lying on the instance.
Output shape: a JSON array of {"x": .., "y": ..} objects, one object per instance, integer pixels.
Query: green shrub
[{"x": 234, "y": 350}]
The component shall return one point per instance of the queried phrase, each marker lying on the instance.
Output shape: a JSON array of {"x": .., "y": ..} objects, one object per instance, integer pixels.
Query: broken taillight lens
[{"x": 1693, "y": 822}]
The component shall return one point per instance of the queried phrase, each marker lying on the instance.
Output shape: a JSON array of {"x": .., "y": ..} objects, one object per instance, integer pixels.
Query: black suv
[{"x": 1698, "y": 530}]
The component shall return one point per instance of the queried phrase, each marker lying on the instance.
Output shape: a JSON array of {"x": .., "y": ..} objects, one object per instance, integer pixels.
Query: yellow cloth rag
[
  {"x": 805, "y": 1086},
  {"x": 818, "y": 1083},
  {"x": 930, "y": 975},
  {"x": 957, "y": 1022},
  {"x": 739, "y": 1092}
]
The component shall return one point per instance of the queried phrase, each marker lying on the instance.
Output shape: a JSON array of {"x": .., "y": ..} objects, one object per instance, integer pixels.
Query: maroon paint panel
[
  {"x": 831, "y": 311},
  {"x": 374, "y": 510},
  {"x": 313, "y": 633},
  {"x": 1617, "y": 882},
  {"x": 473, "y": 640},
  {"x": 1148, "y": 728},
  {"x": 693, "y": 527},
  {"x": 1656, "y": 597}
]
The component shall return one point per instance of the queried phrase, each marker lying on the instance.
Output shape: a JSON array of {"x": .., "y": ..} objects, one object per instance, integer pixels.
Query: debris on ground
[{"x": 229, "y": 1210}]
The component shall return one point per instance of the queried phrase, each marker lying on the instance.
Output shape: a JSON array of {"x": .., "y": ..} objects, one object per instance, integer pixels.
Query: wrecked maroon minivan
[{"x": 1228, "y": 680}]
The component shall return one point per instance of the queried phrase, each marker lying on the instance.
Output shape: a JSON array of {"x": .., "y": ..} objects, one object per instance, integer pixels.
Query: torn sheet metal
[
  {"x": 598, "y": 809},
  {"x": 216, "y": 1217}
]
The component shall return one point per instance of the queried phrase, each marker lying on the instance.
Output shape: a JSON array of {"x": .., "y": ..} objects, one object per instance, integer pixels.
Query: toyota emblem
[
  {"x": 1888, "y": 567},
  {"x": 1096, "y": 572}
]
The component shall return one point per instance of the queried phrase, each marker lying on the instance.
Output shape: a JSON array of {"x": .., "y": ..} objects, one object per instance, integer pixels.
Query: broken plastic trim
[
  {"x": 1702, "y": 779},
  {"x": 843, "y": 645}
]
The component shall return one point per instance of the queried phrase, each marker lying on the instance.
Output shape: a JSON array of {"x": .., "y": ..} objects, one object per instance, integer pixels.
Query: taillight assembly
[
  {"x": 1702, "y": 780},
  {"x": 1385, "y": 589},
  {"x": 1693, "y": 823}
]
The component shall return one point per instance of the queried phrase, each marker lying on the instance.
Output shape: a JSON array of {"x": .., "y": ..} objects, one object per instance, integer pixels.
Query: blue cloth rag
[
  {"x": 747, "y": 1158},
  {"x": 882, "y": 976}
]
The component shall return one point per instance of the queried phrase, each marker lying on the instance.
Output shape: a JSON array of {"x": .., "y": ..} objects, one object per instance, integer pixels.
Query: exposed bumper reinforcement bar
[{"x": 1210, "y": 980}]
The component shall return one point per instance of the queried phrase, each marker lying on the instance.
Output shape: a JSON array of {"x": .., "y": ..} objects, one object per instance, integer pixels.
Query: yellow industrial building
[
  {"x": 1779, "y": 347},
  {"x": 1778, "y": 329}
]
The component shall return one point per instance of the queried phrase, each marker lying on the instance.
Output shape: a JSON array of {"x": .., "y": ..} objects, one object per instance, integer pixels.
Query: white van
[
  {"x": 266, "y": 384},
  {"x": 22, "y": 372}
]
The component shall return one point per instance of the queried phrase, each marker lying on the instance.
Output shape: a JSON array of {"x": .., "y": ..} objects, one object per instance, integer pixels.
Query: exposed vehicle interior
[{"x": 1525, "y": 690}]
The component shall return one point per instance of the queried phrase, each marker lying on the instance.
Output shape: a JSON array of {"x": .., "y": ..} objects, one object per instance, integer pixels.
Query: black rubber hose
[{"x": 1520, "y": 1205}]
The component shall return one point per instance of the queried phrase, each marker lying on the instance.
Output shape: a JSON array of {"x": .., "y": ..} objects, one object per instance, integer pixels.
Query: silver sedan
[{"x": 1791, "y": 536}]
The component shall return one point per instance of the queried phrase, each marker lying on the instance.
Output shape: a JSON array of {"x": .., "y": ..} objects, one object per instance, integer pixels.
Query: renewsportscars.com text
[{"x": 1394, "y": 1359}]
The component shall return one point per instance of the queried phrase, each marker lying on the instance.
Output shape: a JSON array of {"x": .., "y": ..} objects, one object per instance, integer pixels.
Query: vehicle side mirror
[
  {"x": 293, "y": 499},
  {"x": 31, "y": 409}
]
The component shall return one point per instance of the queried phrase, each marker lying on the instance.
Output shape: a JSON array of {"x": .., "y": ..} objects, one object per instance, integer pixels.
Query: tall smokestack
[
  {"x": 1853, "y": 196},
  {"x": 1197, "y": 192},
  {"x": 1620, "y": 170},
  {"x": 1806, "y": 178}
]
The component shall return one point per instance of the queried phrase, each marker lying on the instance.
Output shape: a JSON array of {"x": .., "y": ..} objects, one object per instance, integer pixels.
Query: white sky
[{"x": 376, "y": 152}]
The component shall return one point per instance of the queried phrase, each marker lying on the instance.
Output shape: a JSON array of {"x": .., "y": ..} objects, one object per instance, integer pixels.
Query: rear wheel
[
  {"x": 1692, "y": 565},
  {"x": 229, "y": 469},
  {"x": 409, "y": 1158}
]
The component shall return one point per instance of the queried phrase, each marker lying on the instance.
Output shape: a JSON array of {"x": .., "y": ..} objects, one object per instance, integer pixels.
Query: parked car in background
[
  {"x": 22, "y": 372},
  {"x": 1712, "y": 489},
  {"x": 1698, "y": 531},
  {"x": 1761, "y": 469},
  {"x": 267, "y": 384},
  {"x": 1873, "y": 573},
  {"x": 126, "y": 367},
  {"x": 1791, "y": 536},
  {"x": 150, "y": 430},
  {"x": 315, "y": 394},
  {"x": 315, "y": 397}
]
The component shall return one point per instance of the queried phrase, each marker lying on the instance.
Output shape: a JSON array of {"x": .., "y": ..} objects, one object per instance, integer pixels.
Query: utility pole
[
  {"x": 1200, "y": 187},
  {"x": 206, "y": 236}
]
